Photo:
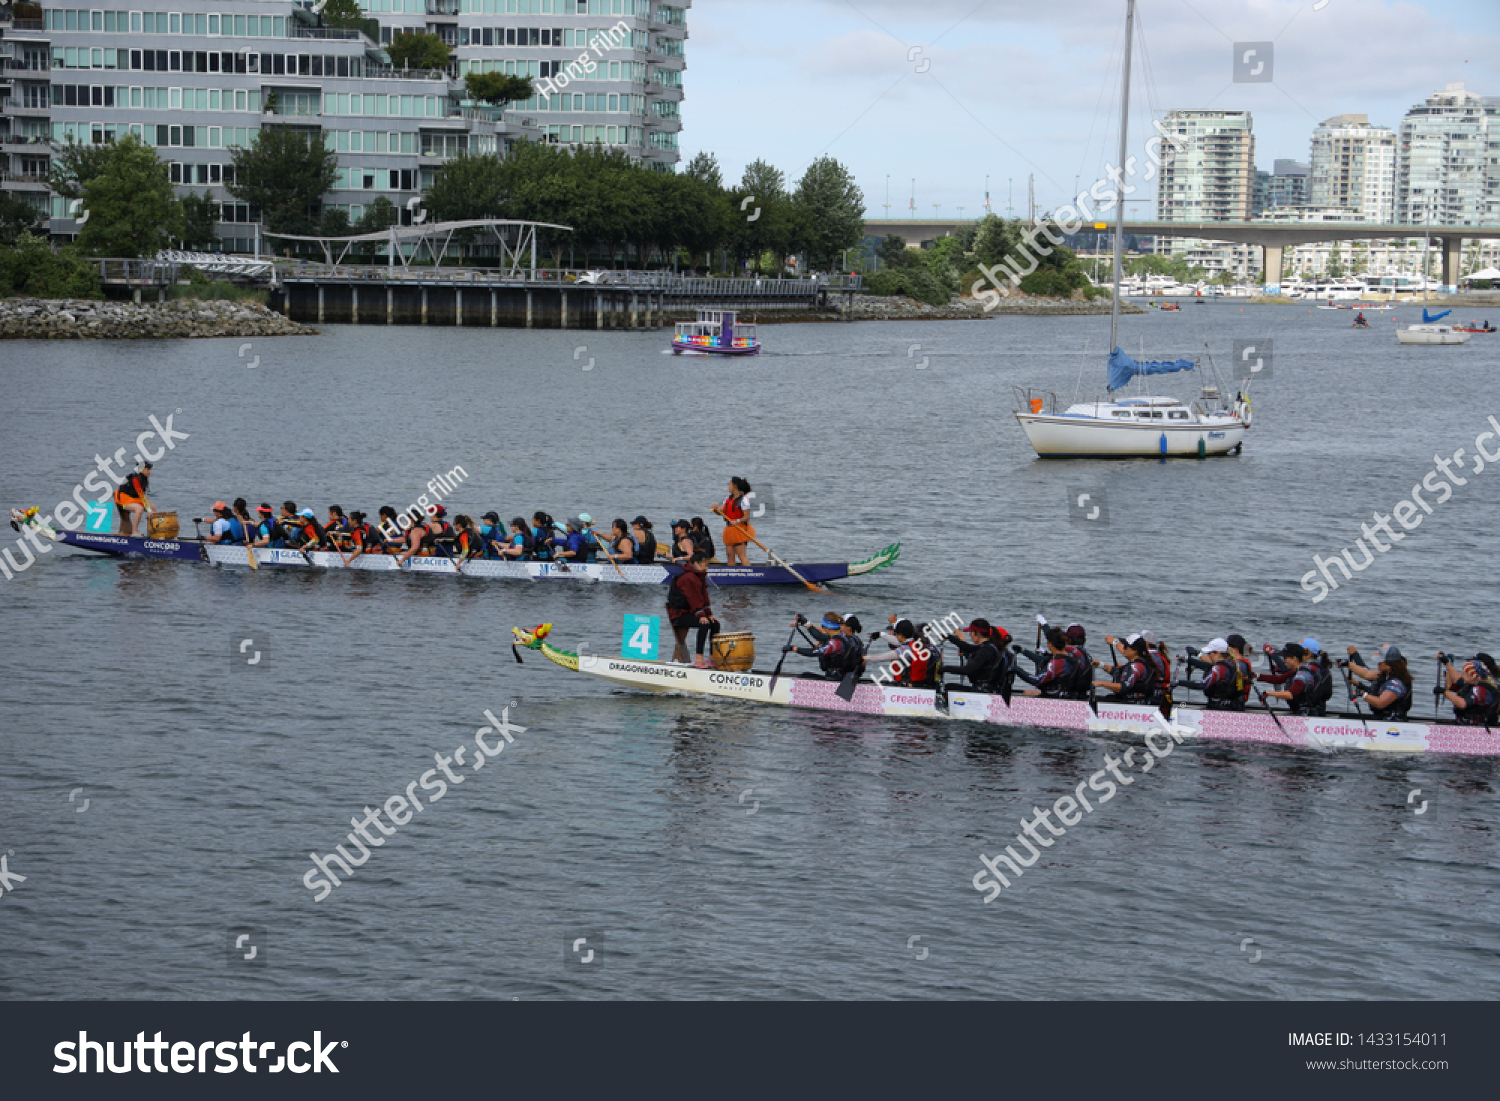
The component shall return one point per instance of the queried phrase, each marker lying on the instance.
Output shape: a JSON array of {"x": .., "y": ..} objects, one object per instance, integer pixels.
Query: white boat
[
  {"x": 1143, "y": 426},
  {"x": 1134, "y": 427},
  {"x": 1431, "y": 334}
]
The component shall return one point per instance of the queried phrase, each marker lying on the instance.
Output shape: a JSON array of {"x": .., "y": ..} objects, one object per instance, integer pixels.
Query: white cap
[
  {"x": 1217, "y": 644},
  {"x": 1148, "y": 637}
]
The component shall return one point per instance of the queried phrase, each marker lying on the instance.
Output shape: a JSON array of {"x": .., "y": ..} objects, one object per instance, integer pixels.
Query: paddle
[
  {"x": 772, "y": 555},
  {"x": 605, "y": 551},
  {"x": 1267, "y": 705},
  {"x": 1437, "y": 707},
  {"x": 1353, "y": 698},
  {"x": 777, "y": 672},
  {"x": 249, "y": 550}
]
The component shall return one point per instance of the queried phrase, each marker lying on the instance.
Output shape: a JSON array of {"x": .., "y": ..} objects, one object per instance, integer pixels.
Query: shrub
[
  {"x": 32, "y": 269},
  {"x": 912, "y": 282}
]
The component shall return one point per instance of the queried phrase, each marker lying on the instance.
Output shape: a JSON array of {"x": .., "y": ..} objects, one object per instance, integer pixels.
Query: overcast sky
[{"x": 1014, "y": 87}]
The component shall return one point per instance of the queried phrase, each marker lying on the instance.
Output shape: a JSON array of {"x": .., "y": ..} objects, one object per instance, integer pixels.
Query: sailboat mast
[{"x": 1114, "y": 302}]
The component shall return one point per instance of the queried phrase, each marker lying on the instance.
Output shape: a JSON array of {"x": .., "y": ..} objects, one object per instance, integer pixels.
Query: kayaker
[
  {"x": 131, "y": 502},
  {"x": 1057, "y": 678},
  {"x": 1390, "y": 695},
  {"x": 1360, "y": 322},
  {"x": 1473, "y": 693},
  {"x": 645, "y": 539},
  {"x": 688, "y": 607},
  {"x": 987, "y": 661},
  {"x": 738, "y": 530},
  {"x": 1137, "y": 681},
  {"x": 703, "y": 538}
]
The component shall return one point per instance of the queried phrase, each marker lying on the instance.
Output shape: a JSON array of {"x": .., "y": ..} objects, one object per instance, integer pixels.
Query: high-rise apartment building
[
  {"x": 1284, "y": 186},
  {"x": 1448, "y": 160},
  {"x": 1354, "y": 167},
  {"x": 1212, "y": 176},
  {"x": 195, "y": 84}
]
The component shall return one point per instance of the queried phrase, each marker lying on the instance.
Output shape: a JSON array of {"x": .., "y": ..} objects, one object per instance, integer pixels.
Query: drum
[
  {"x": 162, "y": 525},
  {"x": 734, "y": 651}
]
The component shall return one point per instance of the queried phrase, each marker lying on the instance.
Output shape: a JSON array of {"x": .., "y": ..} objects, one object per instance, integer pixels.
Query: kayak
[
  {"x": 1074, "y": 716},
  {"x": 217, "y": 554}
]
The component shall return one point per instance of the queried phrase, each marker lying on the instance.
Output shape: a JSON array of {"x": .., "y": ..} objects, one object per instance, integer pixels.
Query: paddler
[
  {"x": 1224, "y": 684},
  {"x": 418, "y": 537},
  {"x": 738, "y": 531},
  {"x": 573, "y": 548},
  {"x": 1137, "y": 681},
  {"x": 266, "y": 531},
  {"x": 225, "y": 528},
  {"x": 364, "y": 537},
  {"x": 688, "y": 607},
  {"x": 1301, "y": 680},
  {"x": 914, "y": 660},
  {"x": 1058, "y": 678},
  {"x": 703, "y": 538},
  {"x": 840, "y": 650},
  {"x": 131, "y": 501},
  {"x": 645, "y": 540},
  {"x": 1473, "y": 693},
  {"x": 591, "y": 543},
  {"x": 517, "y": 546},
  {"x": 493, "y": 534},
  {"x": 1390, "y": 696},
  {"x": 683, "y": 547},
  {"x": 467, "y": 542},
  {"x": 988, "y": 662},
  {"x": 622, "y": 544}
]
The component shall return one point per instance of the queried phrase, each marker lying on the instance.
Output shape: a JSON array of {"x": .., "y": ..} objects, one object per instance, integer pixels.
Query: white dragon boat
[{"x": 1321, "y": 733}]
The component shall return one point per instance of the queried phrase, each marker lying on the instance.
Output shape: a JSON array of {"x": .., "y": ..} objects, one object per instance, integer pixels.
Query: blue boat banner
[{"x": 1122, "y": 368}]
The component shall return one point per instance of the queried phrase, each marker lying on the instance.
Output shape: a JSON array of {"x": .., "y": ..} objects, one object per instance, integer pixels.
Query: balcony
[{"x": 18, "y": 182}]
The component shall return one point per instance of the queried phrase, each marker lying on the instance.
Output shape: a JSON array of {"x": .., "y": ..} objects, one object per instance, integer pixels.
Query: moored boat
[
  {"x": 1072, "y": 716},
  {"x": 1431, "y": 334},
  {"x": 717, "y": 333}
]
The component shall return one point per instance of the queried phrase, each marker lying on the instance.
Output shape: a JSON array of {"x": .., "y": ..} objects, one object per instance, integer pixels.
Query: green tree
[
  {"x": 832, "y": 209},
  {"x": 893, "y": 252},
  {"x": 704, "y": 167},
  {"x": 131, "y": 208},
  {"x": 498, "y": 88},
  {"x": 198, "y": 215},
  {"x": 345, "y": 14},
  {"x": 74, "y": 165},
  {"x": 16, "y": 218},
  {"x": 334, "y": 223},
  {"x": 1335, "y": 263},
  {"x": 470, "y": 185},
  {"x": 31, "y": 268},
  {"x": 762, "y": 195},
  {"x": 378, "y": 216},
  {"x": 418, "y": 50},
  {"x": 285, "y": 174}
]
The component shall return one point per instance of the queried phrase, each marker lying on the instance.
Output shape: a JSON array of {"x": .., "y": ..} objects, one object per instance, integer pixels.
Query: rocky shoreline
[
  {"x": 869, "y": 307},
  {"x": 74, "y": 319}
]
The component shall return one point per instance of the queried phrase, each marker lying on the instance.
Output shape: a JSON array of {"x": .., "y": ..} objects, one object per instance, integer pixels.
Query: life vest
[
  {"x": 645, "y": 549},
  {"x": 1399, "y": 706},
  {"x": 916, "y": 669},
  {"x": 236, "y": 530},
  {"x": 852, "y": 656},
  {"x": 1163, "y": 666},
  {"x": 1474, "y": 713},
  {"x": 366, "y": 539},
  {"x": 1244, "y": 678},
  {"x": 540, "y": 545},
  {"x": 1225, "y": 695},
  {"x": 732, "y": 509},
  {"x": 590, "y": 546},
  {"x": 133, "y": 490},
  {"x": 469, "y": 544},
  {"x": 1146, "y": 688},
  {"x": 1080, "y": 679},
  {"x": 704, "y": 542},
  {"x": 1306, "y": 702}
]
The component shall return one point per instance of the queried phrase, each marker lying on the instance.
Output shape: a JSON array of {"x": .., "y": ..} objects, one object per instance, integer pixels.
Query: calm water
[{"x": 713, "y": 850}]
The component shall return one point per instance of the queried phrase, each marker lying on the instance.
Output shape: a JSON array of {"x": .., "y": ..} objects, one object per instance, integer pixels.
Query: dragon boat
[
  {"x": 814, "y": 692},
  {"x": 222, "y": 554}
]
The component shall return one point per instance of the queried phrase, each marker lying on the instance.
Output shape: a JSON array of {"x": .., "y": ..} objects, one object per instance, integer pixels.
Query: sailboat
[
  {"x": 1132, "y": 427},
  {"x": 1430, "y": 332}
]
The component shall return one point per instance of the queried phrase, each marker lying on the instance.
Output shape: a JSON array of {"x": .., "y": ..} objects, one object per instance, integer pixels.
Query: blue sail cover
[
  {"x": 1426, "y": 320},
  {"x": 1122, "y": 368}
]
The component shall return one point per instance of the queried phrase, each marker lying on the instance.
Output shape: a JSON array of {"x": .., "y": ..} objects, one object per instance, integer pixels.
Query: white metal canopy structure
[{"x": 513, "y": 257}]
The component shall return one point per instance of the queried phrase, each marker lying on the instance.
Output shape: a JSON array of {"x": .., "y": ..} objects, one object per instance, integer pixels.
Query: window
[{"x": 1177, "y": 416}]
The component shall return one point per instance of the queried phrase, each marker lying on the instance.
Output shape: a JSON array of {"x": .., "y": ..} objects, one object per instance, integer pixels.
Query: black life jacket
[
  {"x": 1317, "y": 689},
  {"x": 645, "y": 551},
  {"x": 1398, "y": 708},
  {"x": 367, "y": 537},
  {"x": 704, "y": 542},
  {"x": 1225, "y": 695},
  {"x": 1081, "y": 680},
  {"x": 1474, "y": 715},
  {"x": 852, "y": 657},
  {"x": 1246, "y": 677},
  {"x": 1147, "y": 687}
]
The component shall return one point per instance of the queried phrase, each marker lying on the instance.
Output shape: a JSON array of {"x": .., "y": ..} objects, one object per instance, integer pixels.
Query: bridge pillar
[
  {"x": 494, "y": 309},
  {"x": 390, "y": 310},
  {"x": 562, "y": 298},
  {"x": 634, "y": 308},
  {"x": 136, "y": 294},
  {"x": 528, "y": 308},
  {"x": 320, "y": 303},
  {"x": 598, "y": 309},
  {"x": 458, "y": 305},
  {"x": 354, "y": 305},
  {"x": 1271, "y": 259},
  {"x": 424, "y": 305},
  {"x": 1453, "y": 252}
]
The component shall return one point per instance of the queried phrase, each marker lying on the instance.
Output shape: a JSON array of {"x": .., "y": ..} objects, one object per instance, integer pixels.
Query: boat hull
[
  {"x": 1060, "y": 437},
  {"x": 678, "y": 348},
  {"x": 1421, "y": 336},
  {"x": 190, "y": 550},
  {"x": 1072, "y": 716}
]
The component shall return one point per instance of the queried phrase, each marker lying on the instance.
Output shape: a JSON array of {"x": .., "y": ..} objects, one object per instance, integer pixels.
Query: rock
[{"x": 22, "y": 319}]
